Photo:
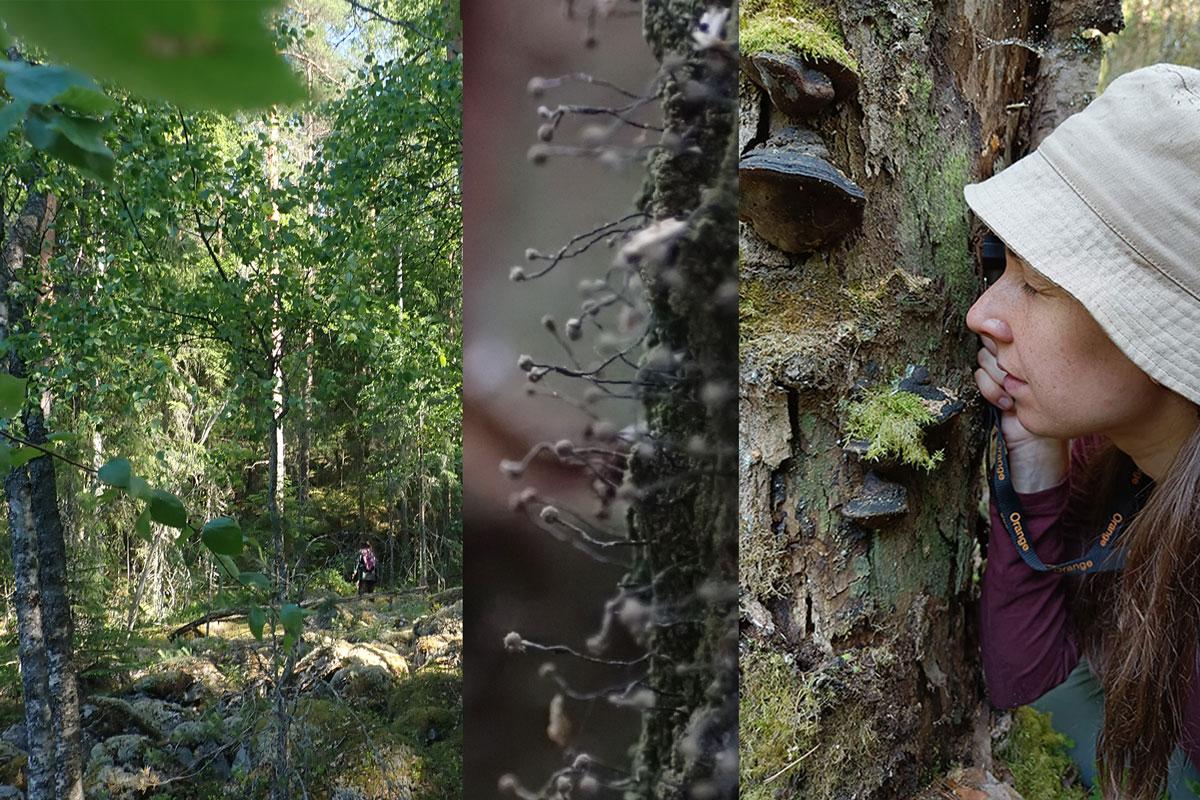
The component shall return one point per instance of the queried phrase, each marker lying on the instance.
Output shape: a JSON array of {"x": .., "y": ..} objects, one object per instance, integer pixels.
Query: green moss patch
[
  {"x": 892, "y": 421},
  {"x": 806, "y": 734},
  {"x": 1038, "y": 757},
  {"x": 778, "y": 715},
  {"x": 762, "y": 561},
  {"x": 793, "y": 26},
  {"x": 933, "y": 227}
]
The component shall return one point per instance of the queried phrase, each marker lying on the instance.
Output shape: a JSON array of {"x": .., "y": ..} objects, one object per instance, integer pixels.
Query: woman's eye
[{"x": 1027, "y": 289}]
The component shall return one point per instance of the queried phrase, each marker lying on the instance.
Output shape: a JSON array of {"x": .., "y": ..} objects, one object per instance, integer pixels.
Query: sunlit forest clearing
[{"x": 230, "y": 363}]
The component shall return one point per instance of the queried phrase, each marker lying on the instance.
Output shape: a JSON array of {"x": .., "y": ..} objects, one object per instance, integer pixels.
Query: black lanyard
[{"x": 1105, "y": 554}]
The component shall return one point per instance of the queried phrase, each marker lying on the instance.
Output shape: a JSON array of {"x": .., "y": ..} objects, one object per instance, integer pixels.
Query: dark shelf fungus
[
  {"x": 797, "y": 86},
  {"x": 797, "y": 202},
  {"x": 942, "y": 402},
  {"x": 877, "y": 502},
  {"x": 857, "y": 447},
  {"x": 794, "y": 88}
]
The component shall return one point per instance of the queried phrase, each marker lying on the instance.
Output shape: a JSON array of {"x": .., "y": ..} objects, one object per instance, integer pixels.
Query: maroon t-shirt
[{"x": 1027, "y": 643}]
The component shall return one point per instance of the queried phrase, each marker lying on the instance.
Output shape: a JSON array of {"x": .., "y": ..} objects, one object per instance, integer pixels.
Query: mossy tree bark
[
  {"x": 860, "y": 674},
  {"x": 687, "y": 512}
]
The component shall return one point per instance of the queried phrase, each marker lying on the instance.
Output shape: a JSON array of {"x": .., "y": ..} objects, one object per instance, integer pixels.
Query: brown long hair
[{"x": 1140, "y": 627}]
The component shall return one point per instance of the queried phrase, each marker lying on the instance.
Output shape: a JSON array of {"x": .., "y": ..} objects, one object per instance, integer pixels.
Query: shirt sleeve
[{"x": 1026, "y": 642}]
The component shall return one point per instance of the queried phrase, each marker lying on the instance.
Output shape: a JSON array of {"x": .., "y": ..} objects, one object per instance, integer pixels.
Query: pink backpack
[{"x": 368, "y": 558}]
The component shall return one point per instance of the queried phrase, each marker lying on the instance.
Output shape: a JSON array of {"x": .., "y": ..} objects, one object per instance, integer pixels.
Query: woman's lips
[{"x": 1011, "y": 384}]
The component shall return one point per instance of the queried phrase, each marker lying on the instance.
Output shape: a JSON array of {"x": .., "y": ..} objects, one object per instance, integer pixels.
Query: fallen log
[{"x": 234, "y": 613}]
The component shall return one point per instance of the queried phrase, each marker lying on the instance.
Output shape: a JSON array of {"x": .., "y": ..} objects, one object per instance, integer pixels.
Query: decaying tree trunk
[
  {"x": 686, "y": 513},
  {"x": 861, "y": 122}
]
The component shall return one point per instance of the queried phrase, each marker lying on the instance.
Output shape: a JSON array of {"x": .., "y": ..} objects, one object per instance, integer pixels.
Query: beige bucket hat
[{"x": 1108, "y": 207}]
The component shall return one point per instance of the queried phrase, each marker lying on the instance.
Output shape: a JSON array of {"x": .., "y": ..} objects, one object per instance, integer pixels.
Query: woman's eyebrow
[
  {"x": 1035, "y": 277},
  {"x": 1031, "y": 274}
]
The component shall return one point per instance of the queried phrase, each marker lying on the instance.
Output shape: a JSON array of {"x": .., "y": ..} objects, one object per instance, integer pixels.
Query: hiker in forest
[
  {"x": 364, "y": 568},
  {"x": 1091, "y": 595}
]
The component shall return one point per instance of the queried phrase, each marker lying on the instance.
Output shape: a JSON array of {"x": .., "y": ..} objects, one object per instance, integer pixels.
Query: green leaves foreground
[
  {"x": 63, "y": 113},
  {"x": 197, "y": 54}
]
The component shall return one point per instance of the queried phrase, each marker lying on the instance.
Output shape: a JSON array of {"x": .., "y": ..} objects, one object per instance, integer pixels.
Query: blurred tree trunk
[
  {"x": 686, "y": 513},
  {"x": 859, "y": 579}
]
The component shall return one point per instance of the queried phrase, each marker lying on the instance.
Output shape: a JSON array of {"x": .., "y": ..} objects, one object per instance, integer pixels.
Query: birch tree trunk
[
  {"x": 276, "y": 479},
  {"x": 56, "y": 615},
  {"x": 859, "y": 578},
  {"x": 31, "y": 644},
  {"x": 45, "y": 628}
]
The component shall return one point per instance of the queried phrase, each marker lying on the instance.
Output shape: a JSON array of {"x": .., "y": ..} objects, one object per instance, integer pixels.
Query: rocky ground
[{"x": 375, "y": 698}]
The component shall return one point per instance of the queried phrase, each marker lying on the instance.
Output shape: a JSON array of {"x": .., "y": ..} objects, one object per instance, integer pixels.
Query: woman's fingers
[
  {"x": 988, "y": 342},
  {"x": 988, "y": 361},
  {"x": 992, "y": 390},
  {"x": 990, "y": 377}
]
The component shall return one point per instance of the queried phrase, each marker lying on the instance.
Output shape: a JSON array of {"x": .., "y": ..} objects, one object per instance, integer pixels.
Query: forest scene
[{"x": 230, "y": 332}]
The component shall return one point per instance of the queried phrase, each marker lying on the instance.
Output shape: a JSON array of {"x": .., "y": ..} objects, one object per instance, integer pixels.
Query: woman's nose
[{"x": 986, "y": 319}]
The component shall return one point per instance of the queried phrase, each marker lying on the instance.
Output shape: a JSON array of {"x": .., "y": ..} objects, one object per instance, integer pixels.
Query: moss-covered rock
[
  {"x": 108, "y": 716},
  {"x": 194, "y": 733}
]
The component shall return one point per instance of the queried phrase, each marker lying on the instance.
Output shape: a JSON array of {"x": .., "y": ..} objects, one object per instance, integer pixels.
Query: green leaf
[
  {"x": 11, "y": 114},
  {"x": 139, "y": 489},
  {"x": 291, "y": 616},
  {"x": 255, "y": 579},
  {"x": 142, "y": 526},
  {"x": 230, "y": 566},
  {"x": 194, "y": 53},
  {"x": 22, "y": 456},
  {"x": 258, "y": 618},
  {"x": 12, "y": 395},
  {"x": 167, "y": 509},
  {"x": 45, "y": 84},
  {"x": 116, "y": 472},
  {"x": 78, "y": 142},
  {"x": 223, "y": 536},
  {"x": 5, "y": 458}
]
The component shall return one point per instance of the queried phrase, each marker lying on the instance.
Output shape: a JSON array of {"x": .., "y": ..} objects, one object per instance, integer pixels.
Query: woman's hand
[{"x": 1036, "y": 462}]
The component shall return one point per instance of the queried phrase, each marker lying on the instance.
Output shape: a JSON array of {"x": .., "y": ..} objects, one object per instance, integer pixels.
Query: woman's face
[{"x": 1067, "y": 377}]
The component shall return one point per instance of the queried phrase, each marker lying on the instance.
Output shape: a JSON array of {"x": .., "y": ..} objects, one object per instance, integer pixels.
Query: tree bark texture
[
  {"x": 858, "y": 578},
  {"x": 31, "y": 642},
  {"x": 686, "y": 513},
  {"x": 56, "y": 615},
  {"x": 45, "y": 628}
]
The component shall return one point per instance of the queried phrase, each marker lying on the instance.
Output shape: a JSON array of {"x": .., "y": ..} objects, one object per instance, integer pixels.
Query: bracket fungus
[
  {"x": 878, "y": 501},
  {"x": 798, "y": 87},
  {"x": 796, "y": 201},
  {"x": 941, "y": 402}
]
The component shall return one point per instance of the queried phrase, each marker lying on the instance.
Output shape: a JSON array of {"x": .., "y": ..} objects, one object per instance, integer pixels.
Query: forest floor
[{"x": 374, "y": 701}]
